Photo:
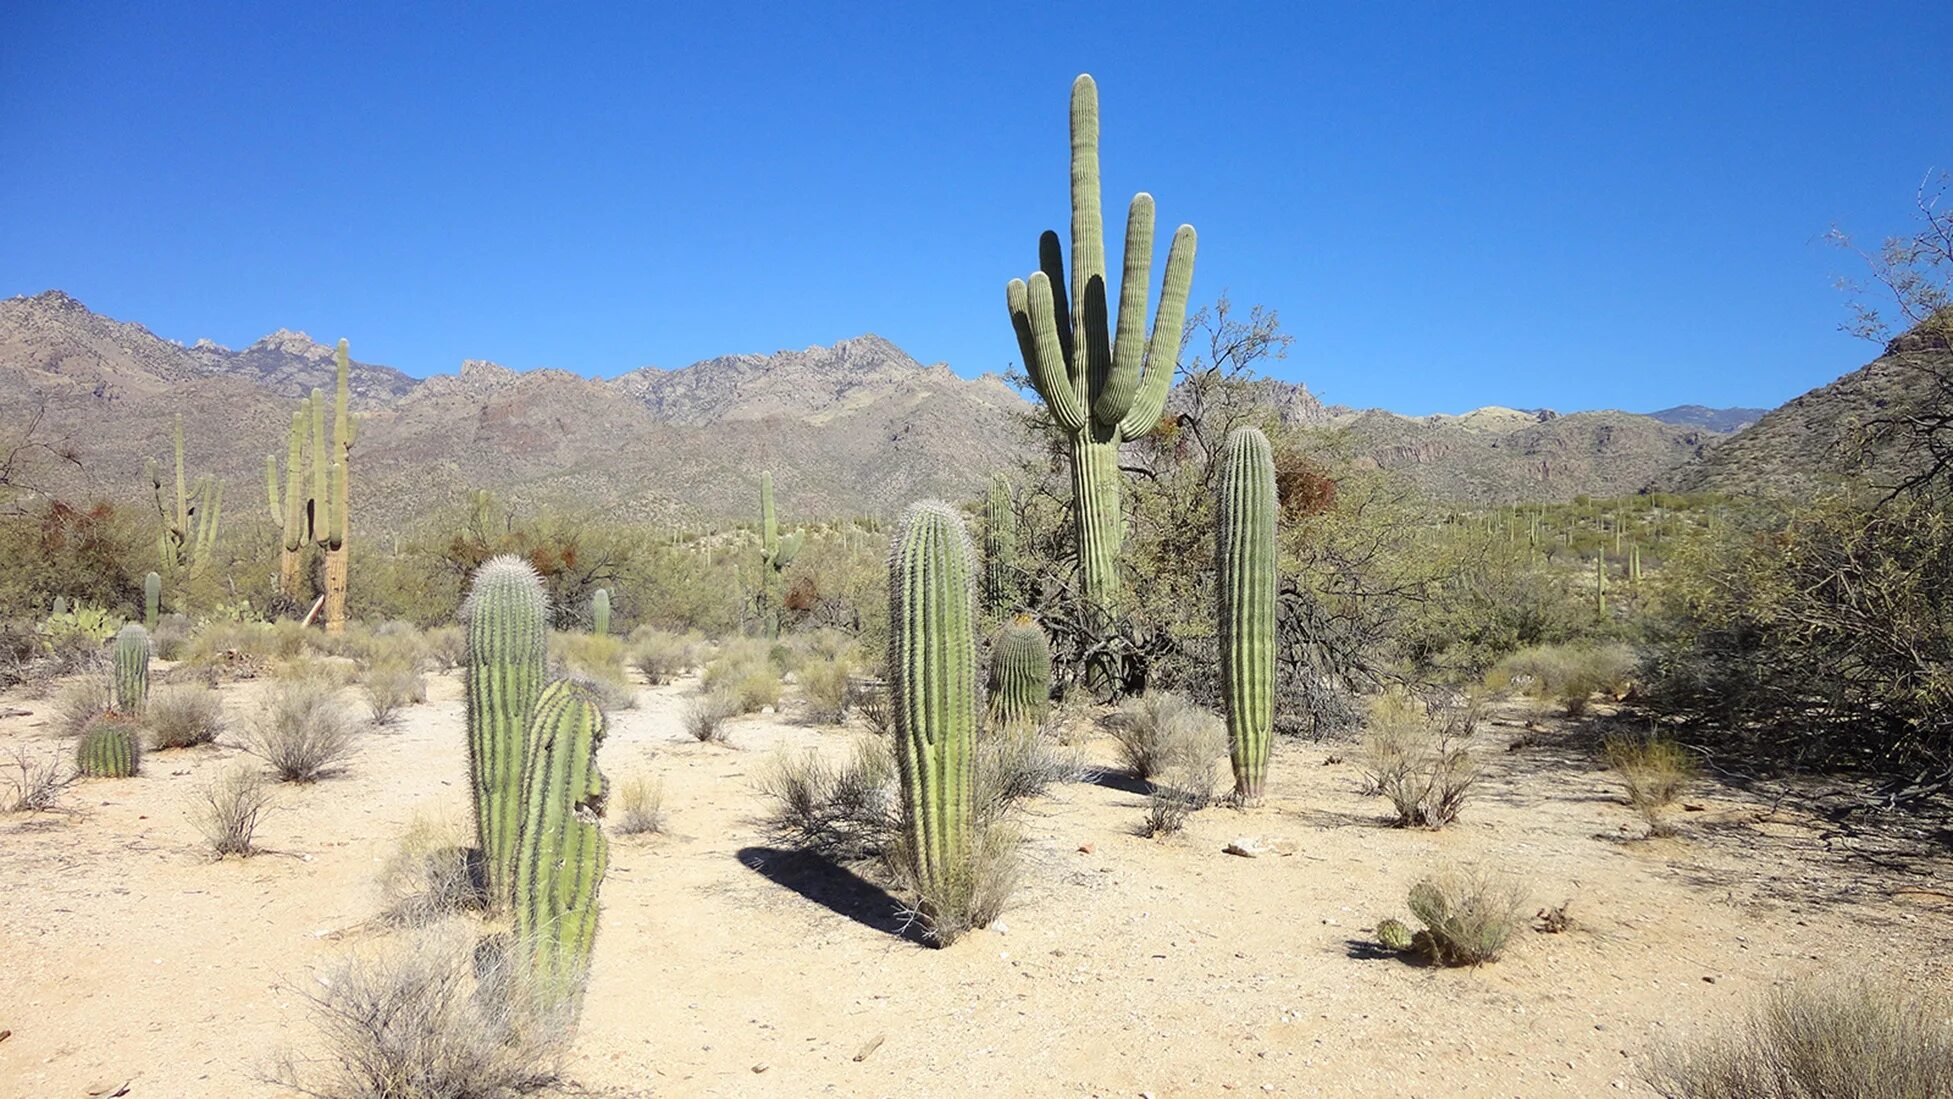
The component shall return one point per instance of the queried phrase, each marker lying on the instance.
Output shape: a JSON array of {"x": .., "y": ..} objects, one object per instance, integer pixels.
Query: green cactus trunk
[
  {"x": 506, "y": 664},
  {"x": 933, "y": 691},
  {"x": 776, "y": 553},
  {"x": 600, "y": 612},
  {"x": 560, "y": 861},
  {"x": 1245, "y": 556},
  {"x": 1020, "y": 676},
  {"x": 1102, "y": 387},
  {"x": 131, "y": 684},
  {"x": 110, "y": 747},
  {"x": 152, "y": 600},
  {"x": 1000, "y": 586}
]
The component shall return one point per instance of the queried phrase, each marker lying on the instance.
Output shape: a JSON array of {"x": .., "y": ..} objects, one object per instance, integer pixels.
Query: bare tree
[{"x": 26, "y": 457}]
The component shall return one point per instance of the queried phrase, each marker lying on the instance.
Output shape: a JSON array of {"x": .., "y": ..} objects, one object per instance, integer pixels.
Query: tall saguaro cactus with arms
[{"x": 1102, "y": 387}]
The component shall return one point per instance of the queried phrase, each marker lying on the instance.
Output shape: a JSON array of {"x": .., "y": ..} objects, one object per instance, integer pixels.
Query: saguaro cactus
[
  {"x": 560, "y": 861},
  {"x": 932, "y": 681},
  {"x": 506, "y": 664},
  {"x": 290, "y": 511},
  {"x": 600, "y": 612},
  {"x": 110, "y": 747},
  {"x": 334, "y": 536},
  {"x": 1000, "y": 592},
  {"x": 152, "y": 600},
  {"x": 1245, "y": 562},
  {"x": 130, "y": 689},
  {"x": 776, "y": 553},
  {"x": 1102, "y": 388},
  {"x": 189, "y": 533},
  {"x": 1020, "y": 675}
]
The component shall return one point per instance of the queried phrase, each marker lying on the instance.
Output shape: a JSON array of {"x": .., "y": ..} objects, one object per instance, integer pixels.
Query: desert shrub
[
  {"x": 640, "y": 805},
  {"x": 1416, "y": 755},
  {"x": 423, "y": 1018},
  {"x": 1468, "y": 915},
  {"x": 1652, "y": 769},
  {"x": 746, "y": 671},
  {"x": 72, "y": 640},
  {"x": 705, "y": 717},
  {"x": 1817, "y": 1040},
  {"x": 171, "y": 635},
  {"x": 228, "y": 808},
  {"x": 662, "y": 657},
  {"x": 430, "y": 875},
  {"x": 1161, "y": 729},
  {"x": 598, "y": 661},
  {"x": 846, "y": 813},
  {"x": 872, "y": 702},
  {"x": 826, "y": 685},
  {"x": 1568, "y": 674},
  {"x": 390, "y": 685},
  {"x": 447, "y": 646},
  {"x": 302, "y": 730},
  {"x": 1014, "y": 765},
  {"x": 79, "y": 701},
  {"x": 1182, "y": 788},
  {"x": 222, "y": 644},
  {"x": 184, "y": 716},
  {"x": 35, "y": 783},
  {"x": 973, "y": 898}
]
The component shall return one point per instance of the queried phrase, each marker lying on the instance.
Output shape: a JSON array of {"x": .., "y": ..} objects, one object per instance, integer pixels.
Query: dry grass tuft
[
  {"x": 184, "y": 716},
  {"x": 706, "y": 716},
  {"x": 951, "y": 907},
  {"x": 845, "y": 814},
  {"x": 640, "y": 804},
  {"x": 1416, "y": 756},
  {"x": 35, "y": 783},
  {"x": 302, "y": 730},
  {"x": 79, "y": 701},
  {"x": 1567, "y": 674},
  {"x": 227, "y": 810},
  {"x": 745, "y": 670},
  {"x": 826, "y": 685},
  {"x": 1161, "y": 731},
  {"x": 1468, "y": 915},
  {"x": 430, "y": 875},
  {"x": 1824, "y": 1040},
  {"x": 1653, "y": 770},
  {"x": 391, "y": 685},
  {"x": 662, "y": 657}
]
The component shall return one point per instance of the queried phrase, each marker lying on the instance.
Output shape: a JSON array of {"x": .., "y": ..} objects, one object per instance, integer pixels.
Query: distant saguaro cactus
[
  {"x": 1245, "y": 560},
  {"x": 776, "y": 553},
  {"x": 933, "y": 691},
  {"x": 562, "y": 854},
  {"x": 110, "y": 747},
  {"x": 1102, "y": 388},
  {"x": 152, "y": 600},
  {"x": 130, "y": 693},
  {"x": 320, "y": 518},
  {"x": 189, "y": 533},
  {"x": 600, "y": 612},
  {"x": 1000, "y": 592},
  {"x": 1020, "y": 675},
  {"x": 507, "y": 661}
]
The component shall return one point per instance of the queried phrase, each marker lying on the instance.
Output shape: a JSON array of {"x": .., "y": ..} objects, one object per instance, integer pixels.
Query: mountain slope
[{"x": 1715, "y": 419}]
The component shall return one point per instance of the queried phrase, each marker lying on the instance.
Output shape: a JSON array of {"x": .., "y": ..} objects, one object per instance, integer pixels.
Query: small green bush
[
  {"x": 184, "y": 716},
  {"x": 1468, "y": 915}
]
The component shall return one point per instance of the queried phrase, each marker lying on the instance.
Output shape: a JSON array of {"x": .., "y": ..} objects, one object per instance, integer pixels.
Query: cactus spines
[
  {"x": 289, "y": 510},
  {"x": 933, "y": 691},
  {"x": 1394, "y": 934},
  {"x": 334, "y": 535},
  {"x": 600, "y": 612},
  {"x": 1020, "y": 675},
  {"x": 999, "y": 550},
  {"x": 152, "y": 600},
  {"x": 1245, "y": 560},
  {"x": 110, "y": 747},
  {"x": 130, "y": 687},
  {"x": 507, "y": 661},
  {"x": 1101, "y": 387},
  {"x": 562, "y": 853},
  {"x": 776, "y": 553}
]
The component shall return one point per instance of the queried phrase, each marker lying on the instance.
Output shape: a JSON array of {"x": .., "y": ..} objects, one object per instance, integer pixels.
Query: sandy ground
[{"x": 1125, "y": 967}]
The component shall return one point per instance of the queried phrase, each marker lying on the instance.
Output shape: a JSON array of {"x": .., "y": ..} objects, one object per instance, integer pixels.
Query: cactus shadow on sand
[{"x": 834, "y": 887}]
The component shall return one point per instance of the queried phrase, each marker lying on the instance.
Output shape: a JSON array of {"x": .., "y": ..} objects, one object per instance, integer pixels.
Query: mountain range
[{"x": 854, "y": 428}]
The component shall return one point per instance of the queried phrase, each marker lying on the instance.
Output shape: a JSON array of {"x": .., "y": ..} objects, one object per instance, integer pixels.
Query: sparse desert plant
[
  {"x": 1652, "y": 769},
  {"x": 640, "y": 806},
  {"x": 706, "y": 716},
  {"x": 430, "y": 875},
  {"x": 1567, "y": 674},
  {"x": 1017, "y": 763},
  {"x": 79, "y": 701},
  {"x": 871, "y": 702},
  {"x": 35, "y": 782},
  {"x": 1419, "y": 760},
  {"x": 662, "y": 657},
  {"x": 227, "y": 810},
  {"x": 825, "y": 684},
  {"x": 1160, "y": 729},
  {"x": 110, "y": 747},
  {"x": 1181, "y": 789},
  {"x": 1840, "y": 1039},
  {"x": 597, "y": 662},
  {"x": 184, "y": 716},
  {"x": 1468, "y": 915},
  {"x": 427, "y": 1017},
  {"x": 171, "y": 634},
  {"x": 446, "y": 645},
  {"x": 846, "y": 813},
  {"x": 973, "y": 895},
  {"x": 746, "y": 671},
  {"x": 302, "y": 730},
  {"x": 390, "y": 685}
]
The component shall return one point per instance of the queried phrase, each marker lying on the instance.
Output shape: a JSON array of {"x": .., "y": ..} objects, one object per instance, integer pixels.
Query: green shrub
[
  {"x": 1468, "y": 915},
  {"x": 705, "y": 717},
  {"x": 1567, "y": 674},
  {"x": 184, "y": 716},
  {"x": 662, "y": 657},
  {"x": 302, "y": 730},
  {"x": 1161, "y": 730},
  {"x": 1419, "y": 758},
  {"x": 1652, "y": 769}
]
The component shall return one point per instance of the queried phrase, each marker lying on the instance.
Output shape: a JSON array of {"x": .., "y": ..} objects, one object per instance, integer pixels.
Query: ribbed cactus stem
[
  {"x": 999, "y": 549},
  {"x": 321, "y": 470},
  {"x": 933, "y": 690},
  {"x": 600, "y": 612},
  {"x": 562, "y": 853},
  {"x": 1020, "y": 675},
  {"x": 1245, "y": 559},
  {"x": 507, "y": 662},
  {"x": 130, "y": 688},
  {"x": 182, "y": 495},
  {"x": 110, "y": 747},
  {"x": 1102, "y": 387},
  {"x": 152, "y": 600},
  {"x": 338, "y": 499}
]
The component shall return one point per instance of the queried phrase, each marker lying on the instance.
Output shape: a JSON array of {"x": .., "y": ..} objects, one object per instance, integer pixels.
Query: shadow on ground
[{"x": 834, "y": 887}]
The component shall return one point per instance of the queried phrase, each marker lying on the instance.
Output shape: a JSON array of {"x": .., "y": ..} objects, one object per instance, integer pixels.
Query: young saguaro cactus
[
  {"x": 999, "y": 550},
  {"x": 110, "y": 747},
  {"x": 131, "y": 683},
  {"x": 1101, "y": 386},
  {"x": 333, "y": 536},
  {"x": 152, "y": 600},
  {"x": 562, "y": 853},
  {"x": 1245, "y": 561},
  {"x": 507, "y": 662},
  {"x": 776, "y": 553},
  {"x": 600, "y": 612},
  {"x": 291, "y": 509},
  {"x": 1020, "y": 675},
  {"x": 933, "y": 690}
]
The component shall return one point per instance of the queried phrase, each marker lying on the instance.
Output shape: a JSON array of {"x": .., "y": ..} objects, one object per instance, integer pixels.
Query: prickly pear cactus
[
  {"x": 1394, "y": 935},
  {"x": 1245, "y": 560},
  {"x": 1020, "y": 675},
  {"x": 507, "y": 662},
  {"x": 562, "y": 854},
  {"x": 130, "y": 688},
  {"x": 111, "y": 747}
]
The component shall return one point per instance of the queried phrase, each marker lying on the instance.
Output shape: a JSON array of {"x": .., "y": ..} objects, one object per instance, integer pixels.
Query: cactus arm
[
  {"x": 563, "y": 853},
  {"x": 271, "y": 490},
  {"x": 1062, "y": 393},
  {"x": 769, "y": 521},
  {"x": 213, "y": 514},
  {"x": 1169, "y": 326},
  {"x": 152, "y": 600},
  {"x": 789, "y": 548},
  {"x": 1092, "y": 354},
  {"x": 1122, "y": 381},
  {"x": 1245, "y": 560},
  {"x": 182, "y": 497},
  {"x": 321, "y": 469},
  {"x": 342, "y": 448},
  {"x": 295, "y": 482}
]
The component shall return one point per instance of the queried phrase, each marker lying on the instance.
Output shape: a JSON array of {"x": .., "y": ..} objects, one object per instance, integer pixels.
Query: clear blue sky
[{"x": 1449, "y": 208}]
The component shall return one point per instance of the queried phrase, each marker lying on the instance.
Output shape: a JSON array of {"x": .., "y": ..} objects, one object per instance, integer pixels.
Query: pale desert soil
[{"x": 1137, "y": 967}]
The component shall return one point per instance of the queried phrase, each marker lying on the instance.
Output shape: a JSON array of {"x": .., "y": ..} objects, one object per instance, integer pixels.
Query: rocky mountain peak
[{"x": 297, "y": 344}]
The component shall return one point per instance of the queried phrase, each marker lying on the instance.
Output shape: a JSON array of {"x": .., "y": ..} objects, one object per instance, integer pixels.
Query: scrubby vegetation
[{"x": 303, "y": 731}]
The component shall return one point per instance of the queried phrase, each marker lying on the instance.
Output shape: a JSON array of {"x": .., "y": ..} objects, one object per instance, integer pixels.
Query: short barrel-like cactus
[
  {"x": 562, "y": 853},
  {"x": 152, "y": 600},
  {"x": 600, "y": 612},
  {"x": 130, "y": 687},
  {"x": 507, "y": 662},
  {"x": 1245, "y": 561},
  {"x": 1020, "y": 675},
  {"x": 111, "y": 747}
]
